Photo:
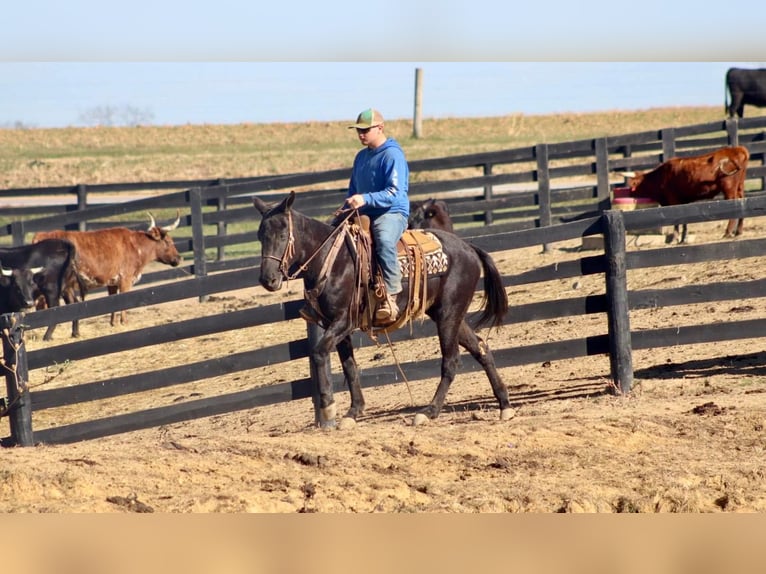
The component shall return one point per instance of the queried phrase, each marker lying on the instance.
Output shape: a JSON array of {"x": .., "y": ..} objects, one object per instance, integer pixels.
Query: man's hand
[{"x": 355, "y": 201}]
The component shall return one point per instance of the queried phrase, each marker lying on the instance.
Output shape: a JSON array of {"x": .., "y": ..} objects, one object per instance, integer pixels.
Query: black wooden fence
[
  {"x": 617, "y": 342},
  {"x": 206, "y": 277}
]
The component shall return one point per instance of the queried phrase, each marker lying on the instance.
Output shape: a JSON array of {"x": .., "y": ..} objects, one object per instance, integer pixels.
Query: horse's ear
[
  {"x": 264, "y": 207},
  {"x": 260, "y": 205},
  {"x": 287, "y": 203}
]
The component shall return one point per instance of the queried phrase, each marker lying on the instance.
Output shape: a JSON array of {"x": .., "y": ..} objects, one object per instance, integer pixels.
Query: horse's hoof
[
  {"x": 420, "y": 419},
  {"x": 507, "y": 414},
  {"x": 346, "y": 423},
  {"x": 327, "y": 425},
  {"x": 327, "y": 416}
]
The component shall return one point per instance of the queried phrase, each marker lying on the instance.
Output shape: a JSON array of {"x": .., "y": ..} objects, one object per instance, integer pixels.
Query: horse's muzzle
[{"x": 271, "y": 283}]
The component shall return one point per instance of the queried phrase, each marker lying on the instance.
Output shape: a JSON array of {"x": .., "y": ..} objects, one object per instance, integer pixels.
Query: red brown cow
[
  {"x": 115, "y": 258},
  {"x": 430, "y": 214},
  {"x": 682, "y": 180}
]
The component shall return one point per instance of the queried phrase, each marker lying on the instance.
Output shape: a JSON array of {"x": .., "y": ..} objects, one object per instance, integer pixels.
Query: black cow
[
  {"x": 17, "y": 287},
  {"x": 29, "y": 270},
  {"x": 747, "y": 87}
]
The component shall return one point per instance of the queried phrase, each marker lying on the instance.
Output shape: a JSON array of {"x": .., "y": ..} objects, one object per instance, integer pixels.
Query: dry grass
[{"x": 51, "y": 157}]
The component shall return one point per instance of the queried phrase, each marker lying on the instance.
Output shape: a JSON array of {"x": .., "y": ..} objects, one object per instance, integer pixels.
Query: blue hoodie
[{"x": 382, "y": 176}]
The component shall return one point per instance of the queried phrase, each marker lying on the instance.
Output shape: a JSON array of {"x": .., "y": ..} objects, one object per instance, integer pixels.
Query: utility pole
[{"x": 417, "y": 122}]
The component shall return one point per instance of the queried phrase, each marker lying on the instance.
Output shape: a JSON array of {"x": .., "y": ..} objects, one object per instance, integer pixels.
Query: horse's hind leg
[
  {"x": 448, "y": 342},
  {"x": 480, "y": 351},
  {"x": 351, "y": 374}
]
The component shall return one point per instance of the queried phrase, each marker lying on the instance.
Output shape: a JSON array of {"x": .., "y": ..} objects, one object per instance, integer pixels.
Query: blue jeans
[{"x": 386, "y": 231}]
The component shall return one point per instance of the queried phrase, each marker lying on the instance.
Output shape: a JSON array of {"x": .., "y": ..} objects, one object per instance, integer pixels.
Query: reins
[{"x": 284, "y": 261}]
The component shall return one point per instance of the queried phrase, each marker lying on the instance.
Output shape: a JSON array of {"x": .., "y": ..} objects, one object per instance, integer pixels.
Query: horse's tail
[{"x": 495, "y": 301}]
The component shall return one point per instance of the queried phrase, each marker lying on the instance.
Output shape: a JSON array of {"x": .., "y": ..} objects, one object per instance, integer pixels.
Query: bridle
[
  {"x": 289, "y": 253},
  {"x": 284, "y": 261}
]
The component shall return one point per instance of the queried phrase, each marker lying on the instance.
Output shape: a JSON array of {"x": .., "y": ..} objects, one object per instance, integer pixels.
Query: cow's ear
[{"x": 155, "y": 233}]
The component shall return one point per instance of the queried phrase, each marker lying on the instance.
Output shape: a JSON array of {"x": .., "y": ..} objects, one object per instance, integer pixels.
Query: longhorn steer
[
  {"x": 115, "y": 258},
  {"x": 682, "y": 180}
]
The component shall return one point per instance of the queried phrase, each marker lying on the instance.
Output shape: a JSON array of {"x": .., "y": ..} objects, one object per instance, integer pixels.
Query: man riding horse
[{"x": 378, "y": 188}]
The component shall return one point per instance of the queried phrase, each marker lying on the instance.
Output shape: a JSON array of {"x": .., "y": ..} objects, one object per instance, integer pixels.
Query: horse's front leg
[
  {"x": 351, "y": 374},
  {"x": 319, "y": 356}
]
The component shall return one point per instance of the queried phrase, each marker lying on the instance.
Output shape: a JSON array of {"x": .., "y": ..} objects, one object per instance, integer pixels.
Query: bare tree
[
  {"x": 17, "y": 125},
  {"x": 132, "y": 116},
  {"x": 125, "y": 115},
  {"x": 98, "y": 116}
]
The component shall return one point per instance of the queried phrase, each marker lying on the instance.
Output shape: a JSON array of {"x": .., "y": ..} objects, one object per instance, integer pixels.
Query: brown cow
[
  {"x": 430, "y": 214},
  {"x": 115, "y": 258},
  {"x": 682, "y": 180}
]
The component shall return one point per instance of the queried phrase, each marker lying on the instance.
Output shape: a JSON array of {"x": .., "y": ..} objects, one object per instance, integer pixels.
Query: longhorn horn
[
  {"x": 151, "y": 220},
  {"x": 627, "y": 173},
  {"x": 6, "y": 271},
  {"x": 36, "y": 270},
  {"x": 173, "y": 225}
]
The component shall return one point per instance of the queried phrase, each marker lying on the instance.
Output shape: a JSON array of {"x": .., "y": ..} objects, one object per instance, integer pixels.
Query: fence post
[
  {"x": 488, "y": 193},
  {"x": 82, "y": 203},
  {"x": 732, "y": 132},
  {"x": 602, "y": 174},
  {"x": 19, "y": 405},
  {"x": 543, "y": 187},
  {"x": 18, "y": 232},
  {"x": 222, "y": 225},
  {"x": 198, "y": 235},
  {"x": 620, "y": 349},
  {"x": 668, "y": 143},
  {"x": 314, "y": 335}
]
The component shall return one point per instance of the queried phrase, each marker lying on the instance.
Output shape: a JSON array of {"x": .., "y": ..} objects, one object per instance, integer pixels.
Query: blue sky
[
  {"x": 175, "y": 93},
  {"x": 237, "y": 61}
]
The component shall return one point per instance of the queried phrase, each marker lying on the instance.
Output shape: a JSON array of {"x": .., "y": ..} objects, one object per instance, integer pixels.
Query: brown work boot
[{"x": 387, "y": 311}]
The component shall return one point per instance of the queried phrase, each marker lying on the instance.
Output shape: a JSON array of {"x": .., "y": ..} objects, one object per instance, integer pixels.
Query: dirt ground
[{"x": 689, "y": 438}]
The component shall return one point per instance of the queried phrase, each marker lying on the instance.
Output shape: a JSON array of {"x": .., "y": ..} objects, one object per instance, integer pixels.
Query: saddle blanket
[{"x": 435, "y": 260}]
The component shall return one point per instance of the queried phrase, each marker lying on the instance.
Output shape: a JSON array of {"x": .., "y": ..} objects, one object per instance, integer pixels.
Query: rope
[
  {"x": 291, "y": 243},
  {"x": 398, "y": 366}
]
